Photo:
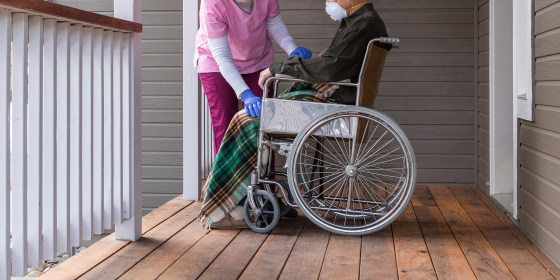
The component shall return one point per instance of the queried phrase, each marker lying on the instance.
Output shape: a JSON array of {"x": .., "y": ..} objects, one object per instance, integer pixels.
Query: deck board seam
[
  {"x": 292, "y": 249},
  {"x": 251, "y": 259},
  {"x": 218, "y": 255},
  {"x": 424, "y": 239}
]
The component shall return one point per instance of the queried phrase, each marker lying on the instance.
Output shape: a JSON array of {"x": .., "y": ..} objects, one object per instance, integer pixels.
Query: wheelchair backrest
[{"x": 370, "y": 75}]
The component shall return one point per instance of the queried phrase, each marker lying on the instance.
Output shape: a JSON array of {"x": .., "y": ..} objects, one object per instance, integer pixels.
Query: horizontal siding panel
[
  {"x": 380, "y": 5},
  {"x": 548, "y": 218},
  {"x": 445, "y": 176},
  {"x": 439, "y": 132},
  {"x": 484, "y": 121},
  {"x": 162, "y": 145},
  {"x": 150, "y": 74},
  {"x": 163, "y": 159},
  {"x": 484, "y": 137},
  {"x": 484, "y": 168},
  {"x": 484, "y": 43},
  {"x": 434, "y": 74},
  {"x": 97, "y": 6},
  {"x": 547, "y": 118},
  {"x": 445, "y": 161},
  {"x": 424, "y": 103},
  {"x": 162, "y": 172},
  {"x": 482, "y": 2},
  {"x": 162, "y": 130},
  {"x": 484, "y": 74},
  {"x": 166, "y": 18},
  {"x": 162, "y": 32},
  {"x": 162, "y": 5},
  {"x": 544, "y": 238},
  {"x": 162, "y": 46},
  {"x": 484, "y": 58},
  {"x": 543, "y": 140},
  {"x": 541, "y": 4},
  {"x": 484, "y": 153},
  {"x": 541, "y": 164},
  {"x": 539, "y": 187},
  {"x": 162, "y": 116},
  {"x": 547, "y": 93},
  {"x": 168, "y": 186},
  {"x": 484, "y": 12},
  {"x": 163, "y": 60},
  {"x": 547, "y": 43},
  {"x": 318, "y": 45},
  {"x": 425, "y": 89},
  {"x": 548, "y": 69},
  {"x": 483, "y": 105},
  {"x": 484, "y": 90},
  {"x": 447, "y": 147},
  {"x": 483, "y": 27},
  {"x": 162, "y": 88},
  {"x": 432, "y": 117},
  {"x": 430, "y": 59},
  {"x": 154, "y": 201},
  {"x": 152, "y": 102},
  {"x": 547, "y": 19}
]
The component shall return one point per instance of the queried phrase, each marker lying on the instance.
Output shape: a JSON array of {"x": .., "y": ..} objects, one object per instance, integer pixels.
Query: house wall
[
  {"x": 428, "y": 84},
  {"x": 162, "y": 104},
  {"x": 539, "y": 152},
  {"x": 483, "y": 110}
]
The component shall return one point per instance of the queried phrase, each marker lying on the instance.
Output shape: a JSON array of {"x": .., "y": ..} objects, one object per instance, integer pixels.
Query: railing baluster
[
  {"x": 5, "y": 96},
  {"x": 75, "y": 134},
  {"x": 49, "y": 140},
  {"x": 62, "y": 136},
  {"x": 98, "y": 131},
  {"x": 35, "y": 188},
  {"x": 108, "y": 127},
  {"x": 117, "y": 127},
  {"x": 126, "y": 126},
  {"x": 87, "y": 160},
  {"x": 19, "y": 128}
]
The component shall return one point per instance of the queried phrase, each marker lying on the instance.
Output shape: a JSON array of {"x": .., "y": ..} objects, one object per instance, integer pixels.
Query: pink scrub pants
[{"x": 223, "y": 102}]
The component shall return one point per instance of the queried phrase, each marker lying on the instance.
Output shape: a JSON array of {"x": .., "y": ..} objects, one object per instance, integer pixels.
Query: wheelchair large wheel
[{"x": 352, "y": 170}]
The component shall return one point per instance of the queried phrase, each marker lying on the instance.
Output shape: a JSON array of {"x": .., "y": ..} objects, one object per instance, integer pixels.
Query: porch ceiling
[{"x": 448, "y": 232}]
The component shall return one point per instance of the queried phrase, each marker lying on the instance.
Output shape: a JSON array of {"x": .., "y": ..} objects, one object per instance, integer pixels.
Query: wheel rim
[{"x": 371, "y": 166}]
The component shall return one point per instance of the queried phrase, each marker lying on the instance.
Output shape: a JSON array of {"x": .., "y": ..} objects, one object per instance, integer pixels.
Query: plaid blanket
[{"x": 228, "y": 181}]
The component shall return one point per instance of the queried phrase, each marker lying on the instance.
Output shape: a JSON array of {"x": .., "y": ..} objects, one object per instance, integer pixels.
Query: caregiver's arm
[
  {"x": 279, "y": 32},
  {"x": 222, "y": 54}
]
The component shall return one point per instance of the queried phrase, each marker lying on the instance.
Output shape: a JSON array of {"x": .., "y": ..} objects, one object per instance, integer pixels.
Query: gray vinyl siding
[
  {"x": 483, "y": 121},
  {"x": 539, "y": 153},
  {"x": 428, "y": 84},
  {"x": 162, "y": 90}
]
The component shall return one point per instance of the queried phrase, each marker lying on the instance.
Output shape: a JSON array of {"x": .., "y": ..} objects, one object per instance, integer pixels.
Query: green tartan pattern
[{"x": 228, "y": 181}]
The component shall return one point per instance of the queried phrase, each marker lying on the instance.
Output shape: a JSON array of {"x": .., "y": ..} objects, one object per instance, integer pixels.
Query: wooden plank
[
  {"x": 75, "y": 135},
  {"x": 519, "y": 260},
  {"x": 159, "y": 260},
  {"x": 407, "y": 216},
  {"x": 413, "y": 260},
  {"x": 62, "y": 136},
  {"x": 72, "y": 14},
  {"x": 377, "y": 259},
  {"x": 342, "y": 258},
  {"x": 101, "y": 250},
  {"x": 196, "y": 260},
  {"x": 108, "y": 128},
  {"x": 235, "y": 257},
  {"x": 5, "y": 137},
  {"x": 271, "y": 257},
  {"x": 19, "y": 144},
  {"x": 484, "y": 260},
  {"x": 87, "y": 133},
  {"x": 35, "y": 145},
  {"x": 551, "y": 267},
  {"x": 126, "y": 258},
  {"x": 306, "y": 258},
  {"x": 448, "y": 259}
]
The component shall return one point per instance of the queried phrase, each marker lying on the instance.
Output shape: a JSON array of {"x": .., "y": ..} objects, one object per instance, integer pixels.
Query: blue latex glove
[
  {"x": 252, "y": 103},
  {"x": 301, "y": 52}
]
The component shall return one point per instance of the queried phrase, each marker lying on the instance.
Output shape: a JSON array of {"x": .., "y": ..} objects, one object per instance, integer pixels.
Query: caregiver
[{"x": 232, "y": 49}]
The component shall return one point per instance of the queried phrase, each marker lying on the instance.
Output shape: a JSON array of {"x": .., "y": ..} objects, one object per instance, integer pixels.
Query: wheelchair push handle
[{"x": 387, "y": 40}]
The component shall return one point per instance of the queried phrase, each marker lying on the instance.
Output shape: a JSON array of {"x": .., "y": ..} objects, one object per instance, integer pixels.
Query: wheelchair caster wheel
[{"x": 265, "y": 217}]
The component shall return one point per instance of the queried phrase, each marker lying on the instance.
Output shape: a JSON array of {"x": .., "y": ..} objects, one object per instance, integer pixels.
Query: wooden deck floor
[{"x": 446, "y": 233}]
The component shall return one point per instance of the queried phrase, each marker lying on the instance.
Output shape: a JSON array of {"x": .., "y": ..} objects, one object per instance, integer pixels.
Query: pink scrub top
[{"x": 250, "y": 45}]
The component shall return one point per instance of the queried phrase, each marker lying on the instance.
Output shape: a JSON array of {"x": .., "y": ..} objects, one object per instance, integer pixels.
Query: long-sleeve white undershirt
[{"x": 221, "y": 52}]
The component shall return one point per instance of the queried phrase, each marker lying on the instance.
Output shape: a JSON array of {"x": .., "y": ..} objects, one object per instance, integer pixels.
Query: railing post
[
  {"x": 131, "y": 229},
  {"x": 191, "y": 152}
]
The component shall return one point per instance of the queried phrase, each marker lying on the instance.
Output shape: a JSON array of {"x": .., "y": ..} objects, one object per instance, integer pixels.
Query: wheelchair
[{"x": 350, "y": 169}]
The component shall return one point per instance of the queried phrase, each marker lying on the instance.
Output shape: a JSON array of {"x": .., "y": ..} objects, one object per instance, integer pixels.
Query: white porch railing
[{"x": 69, "y": 129}]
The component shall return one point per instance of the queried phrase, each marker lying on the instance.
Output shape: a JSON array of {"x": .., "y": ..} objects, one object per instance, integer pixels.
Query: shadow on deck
[{"x": 446, "y": 233}]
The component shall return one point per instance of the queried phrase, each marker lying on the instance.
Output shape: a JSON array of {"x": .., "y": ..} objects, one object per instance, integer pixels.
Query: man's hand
[{"x": 265, "y": 74}]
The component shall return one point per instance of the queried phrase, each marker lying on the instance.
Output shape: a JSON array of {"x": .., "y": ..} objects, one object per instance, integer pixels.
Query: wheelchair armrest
[{"x": 287, "y": 78}]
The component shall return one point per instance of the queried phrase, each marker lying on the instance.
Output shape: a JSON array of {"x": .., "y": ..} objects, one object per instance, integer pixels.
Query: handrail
[{"x": 64, "y": 12}]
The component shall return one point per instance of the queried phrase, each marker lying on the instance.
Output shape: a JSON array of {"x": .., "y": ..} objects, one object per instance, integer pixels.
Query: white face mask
[{"x": 334, "y": 10}]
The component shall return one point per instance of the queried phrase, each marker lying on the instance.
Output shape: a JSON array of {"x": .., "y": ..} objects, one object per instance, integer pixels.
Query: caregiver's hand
[
  {"x": 252, "y": 103},
  {"x": 301, "y": 52},
  {"x": 265, "y": 74}
]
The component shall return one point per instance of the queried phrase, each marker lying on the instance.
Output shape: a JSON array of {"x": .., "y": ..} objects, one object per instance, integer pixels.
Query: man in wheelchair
[{"x": 227, "y": 184}]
